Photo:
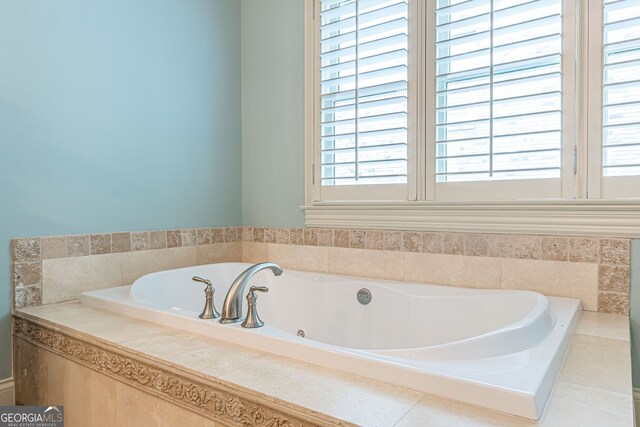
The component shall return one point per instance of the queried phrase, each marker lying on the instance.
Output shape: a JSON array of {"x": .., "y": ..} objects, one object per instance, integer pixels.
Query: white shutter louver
[
  {"x": 621, "y": 88},
  {"x": 498, "y": 89},
  {"x": 363, "y": 92}
]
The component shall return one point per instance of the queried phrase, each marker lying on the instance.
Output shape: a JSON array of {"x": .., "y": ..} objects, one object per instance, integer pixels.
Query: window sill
[{"x": 620, "y": 218}]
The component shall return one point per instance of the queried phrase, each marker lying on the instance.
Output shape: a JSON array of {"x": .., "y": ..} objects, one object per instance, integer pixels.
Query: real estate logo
[{"x": 31, "y": 416}]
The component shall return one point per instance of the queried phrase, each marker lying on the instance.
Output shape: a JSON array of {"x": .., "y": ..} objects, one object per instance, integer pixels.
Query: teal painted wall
[
  {"x": 273, "y": 112},
  {"x": 116, "y": 115},
  {"x": 635, "y": 311}
]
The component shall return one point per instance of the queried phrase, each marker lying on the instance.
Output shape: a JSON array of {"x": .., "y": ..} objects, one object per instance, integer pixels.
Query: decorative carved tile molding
[{"x": 217, "y": 402}]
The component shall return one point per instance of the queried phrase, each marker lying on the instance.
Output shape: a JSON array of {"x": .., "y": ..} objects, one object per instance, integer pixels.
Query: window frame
[{"x": 580, "y": 210}]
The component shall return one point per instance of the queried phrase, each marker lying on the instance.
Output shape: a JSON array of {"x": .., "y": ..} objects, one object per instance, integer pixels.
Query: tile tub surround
[
  {"x": 53, "y": 269},
  {"x": 201, "y": 377},
  {"x": 596, "y": 270}
]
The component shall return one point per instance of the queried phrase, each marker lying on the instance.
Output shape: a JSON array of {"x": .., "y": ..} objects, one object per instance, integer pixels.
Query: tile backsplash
[
  {"x": 53, "y": 269},
  {"x": 595, "y": 270}
]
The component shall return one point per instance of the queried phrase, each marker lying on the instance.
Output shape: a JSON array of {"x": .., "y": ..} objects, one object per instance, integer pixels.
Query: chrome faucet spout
[{"x": 232, "y": 308}]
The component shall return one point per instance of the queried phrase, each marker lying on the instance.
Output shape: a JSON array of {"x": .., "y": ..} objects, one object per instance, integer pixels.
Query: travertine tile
[
  {"x": 366, "y": 263},
  {"x": 358, "y": 239},
  {"x": 78, "y": 246},
  {"x": 453, "y": 270},
  {"x": 258, "y": 234},
  {"x": 555, "y": 248},
  {"x": 109, "y": 326},
  {"x": 26, "y": 250},
  {"x": 65, "y": 278},
  {"x": 140, "y": 409},
  {"x": 615, "y": 251},
  {"x": 197, "y": 352},
  {"x": 375, "y": 240},
  {"x": 306, "y": 258},
  {"x": 204, "y": 236},
  {"x": 157, "y": 239},
  {"x": 41, "y": 374},
  {"x": 514, "y": 246},
  {"x": 432, "y": 243},
  {"x": 325, "y": 237},
  {"x": 606, "y": 325},
  {"x": 174, "y": 238},
  {"x": 90, "y": 396},
  {"x": 453, "y": 244},
  {"x": 310, "y": 236},
  {"x": 283, "y": 235},
  {"x": 53, "y": 247},
  {"x": 500, "y": 246},
  {"x": 412, "y": 242},
  {"x": 583, "y": 249},
  {"x": 247, "y": 234},
  {"x": 476, "y": 245},
  {"x": 100, "y": 244},
  {"x": 526, "y": 247},
  {"x": 270, "y": 235},
  {"x": 362, "y": 401},
  {"x": 137, "y": 264},
  {"x": 598, "y": 362},
  {"x": 120, "y": 242},
  {"x": 219, "y": 252},
  {"x": 614, "y": 278},
  {"x": 27, "y": 273},
  {"x": 28, "y": 296},
  {"x": 613, "y": 302},
  {"x": 578, "y": 405},
  {"x": 230, "y": 234},
  {"x": 392, "y": 240},
  {"x": 54, "y": 312},
  {"x": 297, "y": 236},
  {"x": 341, "y": 238},
  {"x": 255, "y": 252},
  {"x": 140, "y": 241},
  {"x": 217, "y": 235},
  {"x": 553, "y": 278},
  {"x": 189, "y": 237},
  {"x": 433, "y": 411}
]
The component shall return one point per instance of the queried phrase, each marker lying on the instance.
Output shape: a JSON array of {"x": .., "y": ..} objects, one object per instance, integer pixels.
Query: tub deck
[{"x": 593, "y": 388}]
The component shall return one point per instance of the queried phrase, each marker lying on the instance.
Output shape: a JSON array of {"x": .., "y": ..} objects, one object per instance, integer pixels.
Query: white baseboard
[{"x": 7, "y": 392}]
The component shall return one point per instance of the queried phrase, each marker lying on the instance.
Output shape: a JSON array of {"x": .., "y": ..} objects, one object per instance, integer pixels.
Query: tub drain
[
  {"x": 301, "y": 333},
  {"x": 364, "y": 296}
]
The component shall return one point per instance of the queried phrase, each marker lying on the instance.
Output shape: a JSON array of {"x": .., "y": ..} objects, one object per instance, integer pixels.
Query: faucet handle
[
  {"x": 209, "y": 311},
  {"x": 201, "y": 280},
  {"x": 253, "y": 320},
  {"x": 258, "y": 288}
]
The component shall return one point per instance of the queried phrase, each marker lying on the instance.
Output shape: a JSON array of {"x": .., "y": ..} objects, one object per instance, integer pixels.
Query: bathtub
[{"x": 496, "y": 349}]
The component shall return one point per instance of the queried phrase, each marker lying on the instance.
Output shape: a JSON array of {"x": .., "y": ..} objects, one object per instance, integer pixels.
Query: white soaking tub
[{"x": 497, "y": 349}]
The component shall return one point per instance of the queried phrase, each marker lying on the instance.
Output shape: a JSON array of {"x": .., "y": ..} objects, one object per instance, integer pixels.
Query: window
[{"x": 459, "y": 101}]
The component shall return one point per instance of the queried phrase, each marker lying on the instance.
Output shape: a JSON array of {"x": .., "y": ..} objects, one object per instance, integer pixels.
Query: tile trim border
[{"x": 218, "y": 402}]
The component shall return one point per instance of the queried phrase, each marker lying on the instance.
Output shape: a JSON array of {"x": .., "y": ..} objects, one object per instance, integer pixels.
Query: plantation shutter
[
  {"x": 621, "y": 98},
  {"x": 363, "y": 92},
  {"x": 498, "y": 93}
]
